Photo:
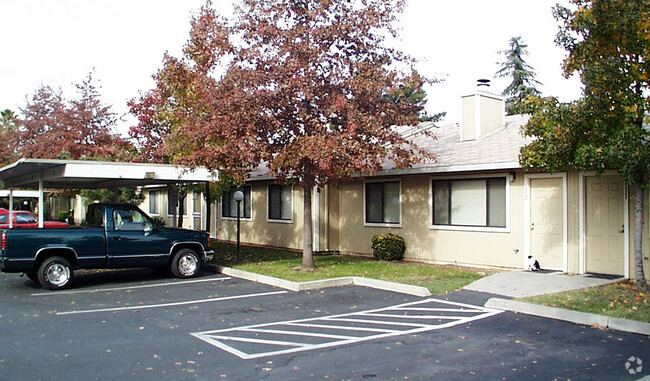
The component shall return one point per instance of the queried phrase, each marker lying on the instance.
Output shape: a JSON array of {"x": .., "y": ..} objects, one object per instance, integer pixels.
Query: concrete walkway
[{"x": 519, "y": 284}]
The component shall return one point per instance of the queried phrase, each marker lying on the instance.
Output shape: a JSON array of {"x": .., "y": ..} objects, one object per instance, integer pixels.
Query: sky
[{"x": 58, "y": 42}]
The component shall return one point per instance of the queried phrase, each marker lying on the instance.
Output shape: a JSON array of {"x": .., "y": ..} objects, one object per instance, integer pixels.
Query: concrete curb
[
  {"x": 325, "y": 283},
  {"x": 577, "y": 317}
]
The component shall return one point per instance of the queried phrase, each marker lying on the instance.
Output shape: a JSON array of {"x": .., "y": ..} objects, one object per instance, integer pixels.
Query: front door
[
  {"x": 547, "y": 222},
  {"x": 605, "y": 229}
]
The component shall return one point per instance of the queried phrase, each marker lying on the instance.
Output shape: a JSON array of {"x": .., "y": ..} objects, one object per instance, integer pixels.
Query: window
[
  {"x": 476, "y": 202},
  {"x": 383, "y": 203},
  {"x": 25, "y": 218},
  {"x": 196, "y": 202},
  {"x": 130, "y": 220},
  {"x": 154, "y": 202},
  {"x": 280, "y": 202},
  {"x": 229, "y": 205}
]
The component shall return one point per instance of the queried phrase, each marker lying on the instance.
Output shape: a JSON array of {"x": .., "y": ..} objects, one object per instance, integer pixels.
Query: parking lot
[{"x": 137, "y": 324}]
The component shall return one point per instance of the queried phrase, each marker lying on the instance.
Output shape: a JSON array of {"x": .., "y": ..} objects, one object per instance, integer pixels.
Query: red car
[{"x": 25, "y": 219}]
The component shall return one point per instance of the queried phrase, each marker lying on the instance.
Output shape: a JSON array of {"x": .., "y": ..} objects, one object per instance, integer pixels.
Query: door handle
[
  {"x": 532, "y": 226},
  {"x": 117, "y": 238},
  {"x": 622, "y": 229}
]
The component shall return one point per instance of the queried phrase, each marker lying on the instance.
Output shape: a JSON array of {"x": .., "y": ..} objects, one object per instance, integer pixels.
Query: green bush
[
  {"x": 62, "y": 216},
  {"x": 388, "y": 247}
]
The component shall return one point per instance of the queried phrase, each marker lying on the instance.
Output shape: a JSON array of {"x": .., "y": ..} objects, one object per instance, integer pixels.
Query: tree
[
  {"x": 129, "y": 195},
  {"x": 608, "y": 44},
  {"x": 300, "y": 86},
  {"x": 522, "y": 74},
  {"x": 8, "y": 135},
  {"x": 81, "y": 128}
]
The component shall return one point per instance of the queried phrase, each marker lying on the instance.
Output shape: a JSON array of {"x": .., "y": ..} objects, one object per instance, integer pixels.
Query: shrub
[
  {"x": 388, "y": 247},
  {"x": 62, "y": 216}
]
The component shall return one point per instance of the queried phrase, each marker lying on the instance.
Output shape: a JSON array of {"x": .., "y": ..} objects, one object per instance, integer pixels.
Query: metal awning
[{"x": 80, "y": 174}]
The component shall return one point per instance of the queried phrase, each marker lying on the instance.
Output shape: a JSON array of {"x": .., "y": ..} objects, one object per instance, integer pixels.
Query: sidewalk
[{"x": 519, "y": 284}]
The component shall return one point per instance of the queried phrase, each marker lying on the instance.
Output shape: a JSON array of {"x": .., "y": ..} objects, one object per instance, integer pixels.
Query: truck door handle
[{"x": 117, "y": 238}]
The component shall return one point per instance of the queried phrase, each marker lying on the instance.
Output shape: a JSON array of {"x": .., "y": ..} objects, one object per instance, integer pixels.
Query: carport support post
[
  {"x": 11, "y": 208},
  {"x": 40, "y": 202}
]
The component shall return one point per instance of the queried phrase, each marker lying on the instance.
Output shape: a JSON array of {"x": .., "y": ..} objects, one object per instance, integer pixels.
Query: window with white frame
[
  {"x": 383, "y": 203},
  {"x": 280, "y": 202},
  {"x": 470, "y": 202},
  {"x": 229, "y": 205},
  {"x": 154, "y": 202}
]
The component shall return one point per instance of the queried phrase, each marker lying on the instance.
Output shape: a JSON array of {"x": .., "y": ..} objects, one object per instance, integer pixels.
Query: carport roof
[{"x": 81, "y": 174}]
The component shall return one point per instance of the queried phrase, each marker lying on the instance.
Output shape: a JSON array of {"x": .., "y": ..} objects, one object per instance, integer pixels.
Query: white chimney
[{"x": 483, "y": 112}]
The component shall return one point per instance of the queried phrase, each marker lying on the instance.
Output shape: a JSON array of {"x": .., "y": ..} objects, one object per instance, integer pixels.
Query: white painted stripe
[
  {"x": 342, "y": 327},
  {"x": 147, "y": 306},
  {"x": 262, "y": 341},
  {"x": 434, "y": 317},
  {"x": 299, "y": 333},
  {"x": 129, "y": 287},
  {"x": 366, "y": 321},
  {"x": 438, "y": 310}
]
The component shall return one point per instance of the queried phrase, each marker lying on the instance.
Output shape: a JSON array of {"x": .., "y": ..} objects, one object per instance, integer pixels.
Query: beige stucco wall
[
  {"x": 341, "y": 225},
  {"x": 258, "y": 230},
  {"x": 424, "y": 243}
]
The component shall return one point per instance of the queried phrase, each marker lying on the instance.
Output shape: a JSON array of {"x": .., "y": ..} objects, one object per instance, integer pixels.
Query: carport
[{"x": 80, "y": 174}]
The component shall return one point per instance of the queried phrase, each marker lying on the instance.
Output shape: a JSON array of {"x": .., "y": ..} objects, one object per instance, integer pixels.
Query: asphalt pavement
[{"x": 136, "y": 324}]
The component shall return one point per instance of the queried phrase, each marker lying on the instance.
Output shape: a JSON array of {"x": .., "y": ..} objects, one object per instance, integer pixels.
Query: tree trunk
[
  {"x": 641, "y": 283},
  {"x": 308, "y": 244},
  {"x": 181, "y": 209}
]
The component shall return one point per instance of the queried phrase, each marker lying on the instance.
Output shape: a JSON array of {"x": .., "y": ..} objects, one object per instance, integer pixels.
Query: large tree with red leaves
[
  {"x": 309, "y": 88},
  {"x": 52, "y": 126}
]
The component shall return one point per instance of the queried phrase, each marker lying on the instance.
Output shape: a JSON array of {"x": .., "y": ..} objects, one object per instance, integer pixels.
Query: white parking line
[
  {"x": 253, "y": 341},
  {"x": 183, "y": 303},
  {"x": 129, "y": 287}
]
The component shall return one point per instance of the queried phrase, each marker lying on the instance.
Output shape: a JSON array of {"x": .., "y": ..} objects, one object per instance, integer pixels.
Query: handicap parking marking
[{"x": 270, "y": 339}]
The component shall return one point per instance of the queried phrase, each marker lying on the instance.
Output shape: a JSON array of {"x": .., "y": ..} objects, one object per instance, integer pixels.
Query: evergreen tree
[{"x": 522, "y": 74}]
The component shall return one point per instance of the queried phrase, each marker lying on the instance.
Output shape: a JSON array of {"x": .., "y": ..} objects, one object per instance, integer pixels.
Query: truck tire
[
  {"x": 186, "y": 264},
  {"x": 55, "y": 273}
]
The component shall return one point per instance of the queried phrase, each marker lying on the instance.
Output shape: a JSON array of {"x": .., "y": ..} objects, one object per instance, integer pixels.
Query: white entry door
[
  {"x": 604, "y": 225},
  {"x": 547, "y": 241}
]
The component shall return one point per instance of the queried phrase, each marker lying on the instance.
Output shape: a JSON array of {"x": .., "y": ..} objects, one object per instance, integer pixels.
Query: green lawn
[
  {"x": 281, "y": 264},
  {"x": 616, "y": 300}
]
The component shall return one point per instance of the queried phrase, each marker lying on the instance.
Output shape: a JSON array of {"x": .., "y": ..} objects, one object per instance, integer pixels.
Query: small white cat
[{"x": 532, "y": 264}]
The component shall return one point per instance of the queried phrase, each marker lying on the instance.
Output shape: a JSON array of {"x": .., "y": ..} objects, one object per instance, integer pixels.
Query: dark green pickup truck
[{"x": 113, "y": 236}]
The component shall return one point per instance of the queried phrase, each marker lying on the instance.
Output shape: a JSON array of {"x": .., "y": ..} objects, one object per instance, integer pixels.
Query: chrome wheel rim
[
  {"x": 187, "y": 264},
  {"x": 57, "y": 274}
]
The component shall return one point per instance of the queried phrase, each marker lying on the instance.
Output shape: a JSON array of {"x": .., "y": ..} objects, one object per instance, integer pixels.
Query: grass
[
  {"x": 281, "y": 264},
  {"x": 620, "y": 300}
]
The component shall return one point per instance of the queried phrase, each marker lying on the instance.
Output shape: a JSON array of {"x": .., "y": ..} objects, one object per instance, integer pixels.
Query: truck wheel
[
  {"x": 186, "y": 264},
  {"x": 55, "y": 273}
]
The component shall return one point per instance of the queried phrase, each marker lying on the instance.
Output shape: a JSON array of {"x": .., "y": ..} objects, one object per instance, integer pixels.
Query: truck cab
[{"x": 112, "y": 236}]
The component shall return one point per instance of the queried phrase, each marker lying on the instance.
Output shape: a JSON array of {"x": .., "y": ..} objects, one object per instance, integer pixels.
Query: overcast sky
[{"x": 57, "y": 42}]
